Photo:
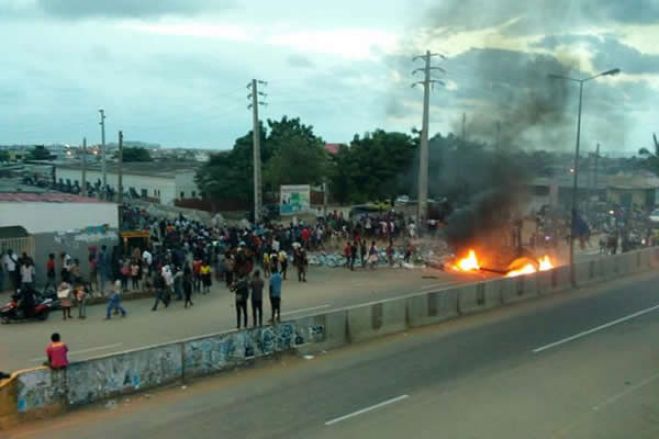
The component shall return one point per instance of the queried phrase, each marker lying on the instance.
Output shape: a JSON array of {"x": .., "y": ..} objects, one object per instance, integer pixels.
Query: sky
[{"x": 175, "y": 72}]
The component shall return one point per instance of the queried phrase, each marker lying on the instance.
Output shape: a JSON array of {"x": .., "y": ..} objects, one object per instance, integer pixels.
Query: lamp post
[{"x": 575, "y": 177}]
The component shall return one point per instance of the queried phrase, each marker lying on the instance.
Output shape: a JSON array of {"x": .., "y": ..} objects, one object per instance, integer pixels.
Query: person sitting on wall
[{"x": 57, "y": 353}]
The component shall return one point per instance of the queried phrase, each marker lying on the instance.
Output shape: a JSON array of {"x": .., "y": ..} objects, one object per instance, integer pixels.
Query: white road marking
[
  {"x": 84, "y": 351},
  {"x": 367, "y": 409},
  {"x": 627, "y": 391},
  {"x": 312, "y": 308},
  {"x": 595, "y": 329}
]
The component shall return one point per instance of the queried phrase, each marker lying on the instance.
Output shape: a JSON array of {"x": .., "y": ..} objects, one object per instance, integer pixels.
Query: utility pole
[
  {"x": 256, "y": 140},
  {"x": 498, "y": 147},
  {"x": 84, "y": 167},
  {"x": 120, "y": 173},
  {"x": 103, "y": 163},
  {"x": 597, "y": 162},
  {"x": 428, "y": 81}
]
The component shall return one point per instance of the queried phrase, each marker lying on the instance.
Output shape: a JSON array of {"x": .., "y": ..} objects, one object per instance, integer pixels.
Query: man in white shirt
[{"x": 10, "y": 264}]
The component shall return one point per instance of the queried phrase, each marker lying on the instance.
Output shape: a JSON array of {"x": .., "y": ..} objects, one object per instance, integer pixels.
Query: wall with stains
[{"x": 104, "y": 377}]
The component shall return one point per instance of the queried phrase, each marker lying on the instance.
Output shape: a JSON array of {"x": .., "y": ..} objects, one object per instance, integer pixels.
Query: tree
[
  {"x": 297, "y": 155},
  {"x": 135, "y": 154},
  {"x": 290, "y": 154},
  {"x": 39, "y": 152},
  {"x": 373, "y": 166},
  {"x": 4, "y": 156}
]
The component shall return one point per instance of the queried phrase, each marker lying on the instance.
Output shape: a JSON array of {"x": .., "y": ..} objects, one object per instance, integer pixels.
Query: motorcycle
[{"x": 15, "y": 311}]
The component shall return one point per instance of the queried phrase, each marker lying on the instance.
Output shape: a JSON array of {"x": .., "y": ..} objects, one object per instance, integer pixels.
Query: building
[
  {"x": 159, "y": 182},
  {"x": 39, "y": 222}
]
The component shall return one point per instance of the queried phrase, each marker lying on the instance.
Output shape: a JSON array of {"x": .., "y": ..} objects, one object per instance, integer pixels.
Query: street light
[{"x": 573, "y": 216}]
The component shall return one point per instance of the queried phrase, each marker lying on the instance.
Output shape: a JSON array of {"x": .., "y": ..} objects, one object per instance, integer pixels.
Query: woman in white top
[{"x": 27, "y": 274}]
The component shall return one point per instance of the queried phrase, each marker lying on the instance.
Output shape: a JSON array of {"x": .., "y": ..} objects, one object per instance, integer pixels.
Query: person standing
[
  {"x": 241, "y": 289},
  {"x": 81, "y": 298},
  {"x": 283, "y": 263},
  {"x": 196, "y": 274},
  {"x": 256, "y": 286},
  {"x": 362, "y": 252},
  {"x": 187, "y": 286},
  {"x": 300, "y": 261},
  {"x": 10, "y": 263},
  {"x": 373, "y": 256},
  {"x": 27, "y": 273},
  {"x": 115, "y": 301},
  {"x": 135, "y": 274},
  {"x": 275, "y": 296},
  {"x": 66, "y": 267},
  {"x": 104, "y": 265},
  {"x": 50, "y": 271},
  {"x": 93, "y": 271},
  {"x": 64, "y": 296},
  {"x": 57, "y": 353},
  {"x": 206, "y": 276},
  {"x": 354, "y": 250}
]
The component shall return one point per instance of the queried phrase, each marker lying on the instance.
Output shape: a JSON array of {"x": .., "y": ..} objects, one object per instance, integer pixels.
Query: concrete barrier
[
  {"x": 517, "y": 289},
  {"x": 40, "y": 392},
  {"x": 377, "y": 319},
  {"x": 111, "y": 375},
  {"x": 434, "y": 307},
  {"x": 207, "y": 355},
  {"x": 586, "y": 272},
  {"x": 324, "y": 331},
  {"x": 478, "y": 297}
]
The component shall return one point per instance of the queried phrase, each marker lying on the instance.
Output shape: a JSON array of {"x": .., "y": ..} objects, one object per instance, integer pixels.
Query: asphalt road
[
  {"x": 22, "y": 344},
  {"x": 574, "y": 365}
]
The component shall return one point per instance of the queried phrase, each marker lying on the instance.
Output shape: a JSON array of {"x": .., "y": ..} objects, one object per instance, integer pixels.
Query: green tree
[
  {"x": 373, "y": 166},
  {"x": 4, "y": 156},
  {"x": 39, "y": 152},
  {"x": 297, "y": 155},
  {"x": 228, "y": 174},
  {"x": 135, "y": 154}
]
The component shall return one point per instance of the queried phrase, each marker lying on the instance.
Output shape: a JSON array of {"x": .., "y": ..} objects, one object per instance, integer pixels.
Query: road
[
  {"x": 574, "y": 365},
  {"x": 327, "y": 288}
]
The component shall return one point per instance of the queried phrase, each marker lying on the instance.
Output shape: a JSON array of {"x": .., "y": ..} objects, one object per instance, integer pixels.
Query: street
[
  {"x": 575, "y": 365},
  {"x": 327, "y": 288}
]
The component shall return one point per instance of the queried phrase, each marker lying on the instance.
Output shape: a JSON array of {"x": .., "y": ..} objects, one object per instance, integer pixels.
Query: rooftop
[
  {"x": 45, "y": 197},
  {"x": 149, "y": 169}
]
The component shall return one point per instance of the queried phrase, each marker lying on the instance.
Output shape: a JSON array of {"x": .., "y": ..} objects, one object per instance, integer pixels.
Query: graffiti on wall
[
  {"x": 216, "y": 353},
  {"x": 104, "y": 377},
  {"x": 40, "y": 388}
]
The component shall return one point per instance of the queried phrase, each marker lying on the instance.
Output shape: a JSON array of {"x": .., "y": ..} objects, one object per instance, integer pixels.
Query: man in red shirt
[{"x": 57, "y": 353}]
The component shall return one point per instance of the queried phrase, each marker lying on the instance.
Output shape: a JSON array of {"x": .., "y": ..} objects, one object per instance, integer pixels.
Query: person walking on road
[
  {"x": 275, "y": 296},
  {"x": 187, "y": 286},
  {"x": 241, "y": 289},
  {"x": 283, "y": 263},
  {"x": 256, "y": 286},
  {"x": 115, "y": 301},
  {"x": 56, "y": 353},
  {"x": 161, "y": 292},
  {"x": 300, "y": 261},
  {"x": 205, "y": 273}
]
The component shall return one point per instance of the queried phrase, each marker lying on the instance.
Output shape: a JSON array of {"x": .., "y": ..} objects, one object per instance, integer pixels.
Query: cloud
[
  {"x": 299, "y": 61},
  {"x": 129, "y": 8},
  {"x": 540, "y": 16}
]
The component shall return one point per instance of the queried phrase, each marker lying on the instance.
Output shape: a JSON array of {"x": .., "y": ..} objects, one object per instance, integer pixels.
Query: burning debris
[{"x": 519, "y": 267}]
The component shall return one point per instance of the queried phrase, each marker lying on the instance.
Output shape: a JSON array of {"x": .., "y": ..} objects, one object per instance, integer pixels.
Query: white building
[
  {"x": 52, "y": 212},
  {"x": 154, "y": 181}
]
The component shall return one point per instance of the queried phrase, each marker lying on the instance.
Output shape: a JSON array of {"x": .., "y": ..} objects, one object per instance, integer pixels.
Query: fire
[
  {"x": 543, "y": 264},
  {"x": 469, "y": 263}
]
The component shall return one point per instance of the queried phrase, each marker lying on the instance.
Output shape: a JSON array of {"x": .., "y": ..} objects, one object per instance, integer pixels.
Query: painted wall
[{"x": 57, "y": 217}]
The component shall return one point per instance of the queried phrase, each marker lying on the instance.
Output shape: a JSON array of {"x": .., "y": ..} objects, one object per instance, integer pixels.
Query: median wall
[{"x": 39, "y": 392}]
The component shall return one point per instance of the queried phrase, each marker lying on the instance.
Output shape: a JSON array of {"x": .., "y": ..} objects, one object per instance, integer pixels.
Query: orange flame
[
  {"x": 469, "y": 263},
  {"x": 544, "y": 264}
]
